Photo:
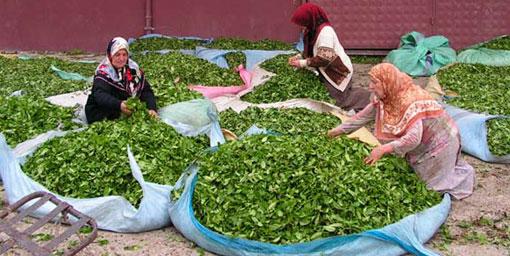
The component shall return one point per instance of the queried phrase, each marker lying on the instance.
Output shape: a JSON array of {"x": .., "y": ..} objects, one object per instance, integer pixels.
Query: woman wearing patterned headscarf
[
  {"x": 324, "y": 52},
  {"x": 116, "y": 79},
  {"x": 416, "y": 127}
]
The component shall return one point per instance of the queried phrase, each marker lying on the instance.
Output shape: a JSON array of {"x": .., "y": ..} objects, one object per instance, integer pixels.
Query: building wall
[
  {"x": 379, "y": 24},
  {"x": 62, "y": 25},
  {"x": 248, "y": 19}
]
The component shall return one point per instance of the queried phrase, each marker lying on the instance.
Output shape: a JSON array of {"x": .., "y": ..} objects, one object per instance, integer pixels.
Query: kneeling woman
[
  {"x": 416, "y": 127},
  {"x": 116, "y": 79},
  {"x": 324, "y": 52}
]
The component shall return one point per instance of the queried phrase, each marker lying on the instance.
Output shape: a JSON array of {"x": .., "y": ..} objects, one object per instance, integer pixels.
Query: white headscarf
[{"x": 115, "y": 45}]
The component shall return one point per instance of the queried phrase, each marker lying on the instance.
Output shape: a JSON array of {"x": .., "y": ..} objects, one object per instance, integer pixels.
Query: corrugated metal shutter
[
  {"x": 468, "y": 22},
  {"x": 373, "y": 24}
]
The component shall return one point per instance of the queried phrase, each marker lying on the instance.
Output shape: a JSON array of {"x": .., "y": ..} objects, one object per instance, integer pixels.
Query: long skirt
[{"x": 355, "y": 98}]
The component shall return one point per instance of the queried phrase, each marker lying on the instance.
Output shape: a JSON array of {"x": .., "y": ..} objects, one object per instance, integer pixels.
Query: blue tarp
[
  {"x": 71, "y": 76},
  {"x": 485, "y": 56},
  {"x": 473, "y": 132},
  {"x": 407, "y": 235},
  {"x": 112, "y": 213}
]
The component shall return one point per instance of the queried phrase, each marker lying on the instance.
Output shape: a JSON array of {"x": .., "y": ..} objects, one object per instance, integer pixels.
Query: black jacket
[{"x": 106, "y": 97}]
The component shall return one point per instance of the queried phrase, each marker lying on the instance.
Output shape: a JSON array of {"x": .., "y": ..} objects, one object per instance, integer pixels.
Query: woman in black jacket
[{"x": 116, "y": 79}]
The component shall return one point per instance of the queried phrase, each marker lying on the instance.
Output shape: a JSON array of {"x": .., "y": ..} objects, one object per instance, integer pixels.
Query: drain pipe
[{"x": 148, "y": 17}]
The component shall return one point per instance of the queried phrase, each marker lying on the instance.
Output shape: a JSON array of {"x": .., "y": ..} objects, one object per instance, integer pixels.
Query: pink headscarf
[{"x": 405, "y": 102}]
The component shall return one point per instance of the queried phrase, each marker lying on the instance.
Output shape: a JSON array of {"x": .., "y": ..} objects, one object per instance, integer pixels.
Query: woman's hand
[
  {"x": 154, "y": 114},
  {"x": 335, "y": 132},
  {"x": 293, "y": 61},
  {"x": 377, "y": 153},
  {"x": 124, "y": 109}
]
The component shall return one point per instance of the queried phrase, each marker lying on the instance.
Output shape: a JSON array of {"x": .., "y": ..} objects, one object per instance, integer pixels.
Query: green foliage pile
[
  {"x": 483, "y": 89},
  {"x": 36, "y": 77},
  {"x": 242, "y": 44},
  {"x": 500, "y": 43},
  {"x": 163, "y": 43},
  {"x": 288, "y": 84},
  {"x": 236, "y": 58},
  {"x": 283, "y": 189},
  {"x": 162, "y": 70},
  {"x": 94, "y": 162},
  {"x": 22, "y": 118},
  {"x": 365, "y": 59},
  {"x": 283, "y": 121}
]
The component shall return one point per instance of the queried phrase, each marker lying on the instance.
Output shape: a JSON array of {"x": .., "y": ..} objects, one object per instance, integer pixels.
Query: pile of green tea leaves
[
  {"x": 163, "y": 43},
  {"x": 283, "y": 189},
  {"x": 293, "y": 121},
  {"x": 170, "y": 74},
  {"x": 500, "y": 43},
  {"x": 94, "y": 162},
  {"x": 366, "y": 59},
  {"x": 22, "y": 118},
  {"x": 287, "y": 84},
  {"x": 242, "y": 44},
  {"x": 482, "y": 89},
  {"x": 236, "y": 58},
  {"x": 36, "y": 77}
]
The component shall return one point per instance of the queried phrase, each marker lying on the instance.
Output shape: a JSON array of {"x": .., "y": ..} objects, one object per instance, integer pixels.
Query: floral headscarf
[
  {"x": 405, "y": 102},
  {"x": 128, "y": 78},
  {"x": 314, "y": 19}
]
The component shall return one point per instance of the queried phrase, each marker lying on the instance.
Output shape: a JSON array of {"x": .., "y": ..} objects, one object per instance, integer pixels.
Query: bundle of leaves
[
  {"x": 367, "y": 59},
  {"x": 163, "y": 43},
  {"x": 36, "y": 77},
  {"x": 499, "y": 43},
  {"x": 94, "y": 162},
  {"x": 283, "y": 121},
  {"x": 234, "y": 59},
  {"x": 170, "y": 74},
  {"x": 22, "y": 118},
  {"x": 288, "y": 84},
  {"x": 498, "y": 136},
  {"x": 242, "y": 44},
  {"x": 283, "y": 189},
  {"x": 482, "y": 89}
]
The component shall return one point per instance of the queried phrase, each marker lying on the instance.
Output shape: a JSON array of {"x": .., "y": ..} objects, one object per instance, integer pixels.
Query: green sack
[{"x": 420, "y": 56}]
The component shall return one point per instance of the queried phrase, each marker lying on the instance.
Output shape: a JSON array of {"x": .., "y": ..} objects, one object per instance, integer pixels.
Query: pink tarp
[{"x": 212, "y": 92}]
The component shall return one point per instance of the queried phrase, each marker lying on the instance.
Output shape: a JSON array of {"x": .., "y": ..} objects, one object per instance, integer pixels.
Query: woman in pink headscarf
[
  {"x": 324, "y": 52},
  {"x": 416, "y": 127}
]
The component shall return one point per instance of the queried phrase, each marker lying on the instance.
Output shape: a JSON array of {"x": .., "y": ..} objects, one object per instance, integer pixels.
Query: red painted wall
[
  {"x": 62, "y": 25},
  {"x": 379, "y": 24},
  {"x": 468, "y": 22},
  {"x": 248, "y": 19},
  {"x": 376, "y": 24}
]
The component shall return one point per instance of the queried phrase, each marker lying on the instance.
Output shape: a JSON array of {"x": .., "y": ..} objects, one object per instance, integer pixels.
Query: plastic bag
[{"x": 420, "y": 56}]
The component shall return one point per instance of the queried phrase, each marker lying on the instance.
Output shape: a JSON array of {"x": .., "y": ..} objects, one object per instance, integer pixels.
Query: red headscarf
[
  {"x": 405, "y": 102},
  {"x": 314, "y": 19}
]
